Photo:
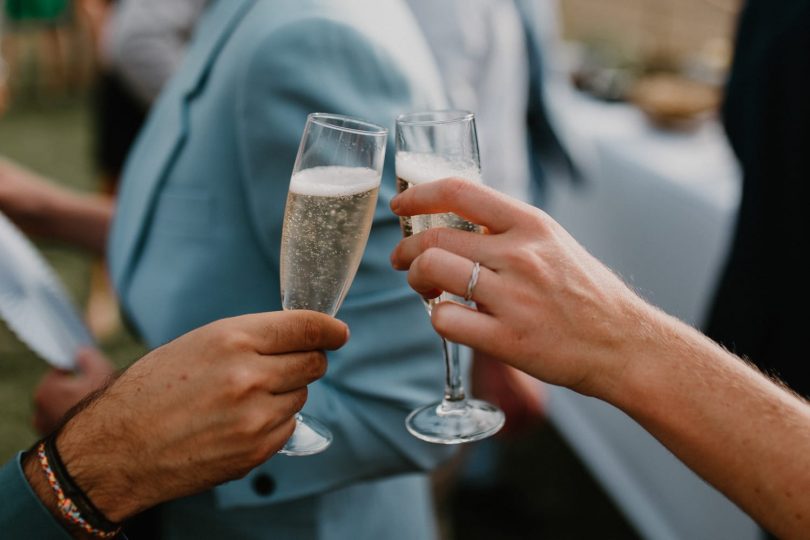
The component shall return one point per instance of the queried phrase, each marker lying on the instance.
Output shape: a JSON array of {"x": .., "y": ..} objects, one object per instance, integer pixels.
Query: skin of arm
[
  {"x": 203, "y": 409},
  {"x": 50, "y": 211},
  {"x": 547, "y": 307}
]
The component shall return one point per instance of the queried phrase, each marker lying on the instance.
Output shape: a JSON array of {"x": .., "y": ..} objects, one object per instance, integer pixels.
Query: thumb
[{"x": 91, "y": 362}]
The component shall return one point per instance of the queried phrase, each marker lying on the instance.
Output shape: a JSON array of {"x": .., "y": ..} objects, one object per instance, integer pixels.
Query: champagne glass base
[
  {"x": 310, "y": 437},
  {"x": 455, "y": 422}
]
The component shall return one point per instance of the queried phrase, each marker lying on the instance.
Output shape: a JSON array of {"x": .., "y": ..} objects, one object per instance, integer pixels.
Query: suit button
[{"x": 263, "y": 484}]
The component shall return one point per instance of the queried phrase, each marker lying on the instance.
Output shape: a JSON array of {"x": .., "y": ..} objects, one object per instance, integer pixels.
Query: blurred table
[{"x": 659, "y": 208}]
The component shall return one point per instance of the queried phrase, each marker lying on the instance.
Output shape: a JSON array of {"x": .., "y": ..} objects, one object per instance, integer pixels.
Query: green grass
[{"x": 54, "y": 140}]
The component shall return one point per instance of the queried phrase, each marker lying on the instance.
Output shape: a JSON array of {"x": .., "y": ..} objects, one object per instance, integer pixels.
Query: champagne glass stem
[
  {"x": 454, "y": 396},
  {"x": 453, "y": 387}
]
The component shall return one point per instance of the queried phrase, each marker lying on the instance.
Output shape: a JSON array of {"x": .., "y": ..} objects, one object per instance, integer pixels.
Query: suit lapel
[
  {"x": 219, "y": 21},
  {"x": 161, "y": 139}
]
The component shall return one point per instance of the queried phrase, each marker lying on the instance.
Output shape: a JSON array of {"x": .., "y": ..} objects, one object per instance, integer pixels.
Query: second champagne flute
[
  {"x": 330, "y": 207},
  {"x": 432, "y": 146}
]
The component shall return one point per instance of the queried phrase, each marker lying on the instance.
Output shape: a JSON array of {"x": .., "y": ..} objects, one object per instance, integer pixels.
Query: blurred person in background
[
  {"x": 148, "y": 40},
  {"x": 759, "y": 310},
  {"x": 546, "y": 306},
  {"x": 548, "y": 159},
  {"x": 481, "y": 51},
  {"x": 196, "y": 235},
  {"x": 118, "y": 114},
  {"x": 141, "y": 44},
  {"x": 120, "y": 106},
  {"x": 137, "y": 45}
]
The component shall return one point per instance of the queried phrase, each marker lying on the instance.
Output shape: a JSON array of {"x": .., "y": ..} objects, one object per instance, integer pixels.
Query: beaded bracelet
[{"x": 67, "y": 507}]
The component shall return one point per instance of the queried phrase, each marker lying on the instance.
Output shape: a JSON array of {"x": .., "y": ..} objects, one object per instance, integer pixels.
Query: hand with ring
[
  {"x": 544, "y": 305},
  {"x": 547, "y": 307}
]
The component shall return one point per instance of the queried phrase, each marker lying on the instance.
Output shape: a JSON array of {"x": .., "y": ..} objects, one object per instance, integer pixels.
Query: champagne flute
[
  {"x": 432, "y": 146},
  {"x": 327, "y": 220}
]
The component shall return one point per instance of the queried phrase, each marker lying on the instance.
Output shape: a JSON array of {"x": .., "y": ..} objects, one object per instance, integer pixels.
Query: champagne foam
[
  {"x": 418, "y": 168},
  {"x": 334, "y": 181}
]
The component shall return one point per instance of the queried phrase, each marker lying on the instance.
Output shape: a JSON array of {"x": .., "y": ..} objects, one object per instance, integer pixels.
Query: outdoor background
[{"x": 49, "y": 127}]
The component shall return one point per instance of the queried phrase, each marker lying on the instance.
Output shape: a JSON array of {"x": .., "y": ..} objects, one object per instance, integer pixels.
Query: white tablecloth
[{"x": 658, "y": 208}]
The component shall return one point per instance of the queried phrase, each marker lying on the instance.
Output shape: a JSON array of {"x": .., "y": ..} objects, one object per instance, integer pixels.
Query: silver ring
[{"x": 473, "y": 281}]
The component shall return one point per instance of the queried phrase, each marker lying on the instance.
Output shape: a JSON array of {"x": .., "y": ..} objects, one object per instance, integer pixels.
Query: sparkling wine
[
  {"x": 326, "y": 226},
  {"x": 415, "y": 168}
]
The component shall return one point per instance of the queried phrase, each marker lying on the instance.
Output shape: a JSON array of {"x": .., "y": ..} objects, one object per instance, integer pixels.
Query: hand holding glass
[{"x": 432, "y": 146}]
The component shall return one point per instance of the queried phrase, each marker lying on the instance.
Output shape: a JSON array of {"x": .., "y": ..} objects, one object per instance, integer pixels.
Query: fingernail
[
  {"x": 395, "y": 204},
  {"x": 348, "y": 333}
]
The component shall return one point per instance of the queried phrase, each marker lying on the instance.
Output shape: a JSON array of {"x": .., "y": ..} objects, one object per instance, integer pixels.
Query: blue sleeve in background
[{"x": 22, "y": 515}]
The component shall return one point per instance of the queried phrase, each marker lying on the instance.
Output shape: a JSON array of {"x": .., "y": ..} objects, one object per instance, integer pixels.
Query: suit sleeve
[
  {"x": 22, "y": 515},
  {"x": 393, "y": 361}
]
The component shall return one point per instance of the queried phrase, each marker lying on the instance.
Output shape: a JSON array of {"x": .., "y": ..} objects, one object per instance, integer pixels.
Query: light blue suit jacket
[
  {"x": 196, "y": 238},
  {"x": 22, "y": 514}
]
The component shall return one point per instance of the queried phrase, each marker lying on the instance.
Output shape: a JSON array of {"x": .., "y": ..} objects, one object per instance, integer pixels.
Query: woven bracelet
[
  {"x": 72, "y": 491},
  {"x": 73, "y": 504}
]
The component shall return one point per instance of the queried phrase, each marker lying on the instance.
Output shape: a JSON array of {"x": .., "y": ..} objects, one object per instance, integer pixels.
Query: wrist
[
  {"x": 641, "y": 341},
  {"x": 40, "y": 209},
  {"x": 39, "y": 485},
  {"x": 660, "y": 356},
  {"x": 82, "y": 219},
  {"x": 61, "y": 504},
  {"x": 101, "y": 469}
]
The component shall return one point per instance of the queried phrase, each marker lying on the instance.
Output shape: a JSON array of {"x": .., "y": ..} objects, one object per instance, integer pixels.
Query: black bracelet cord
[{"x": 88, "y": 510}]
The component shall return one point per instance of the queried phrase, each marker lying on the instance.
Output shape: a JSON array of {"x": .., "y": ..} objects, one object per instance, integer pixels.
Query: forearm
[
  {"x": 548, "y": 307},
  {"x": 79, "y": 219},
  {"x": 85, "y": 221},
  {"x": 741, "y": 432}
]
